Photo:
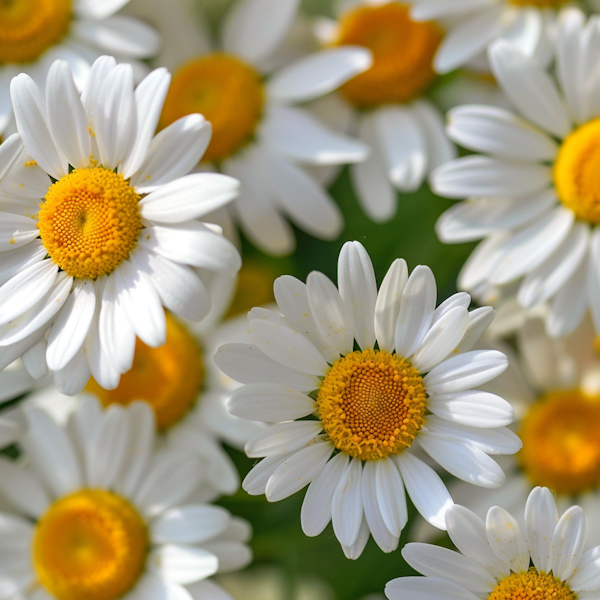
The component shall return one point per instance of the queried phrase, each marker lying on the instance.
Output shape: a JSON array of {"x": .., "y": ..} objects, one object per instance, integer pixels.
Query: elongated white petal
[
  {"x": 391, "y": 496},
  {"x": 387, "y": 307},
  {"x": 506, "y": 539},
  {"x": 190, "y": 524},
  {"x": 472, "y": 408},
  {"x": 183, "y": 564},
  {"x": 568, "y": 543},
  {"x": 426, "y": 588},
  {"x": 541, "y": 518},
  {"x": 347, "y": 506},
  {"x": 283, "y": 438}
]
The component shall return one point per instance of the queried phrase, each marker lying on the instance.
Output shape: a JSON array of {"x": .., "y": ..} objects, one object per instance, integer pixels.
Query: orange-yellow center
[
  {"x": 561, "y": 442},
  {"x": 403, "y": 52},
  {"x": 29, "y": 27},
  {"x": 90, "y": 545},
  {"x": 539, "y": 3},
  {"x": 169, "y": 378},
  {"x": 227, "y": 91},
  {"x": 90, "y": 222},
  {"x": 372, "y": 404},
  {"x": 577, "y": 172},
  {"x": 531, "y": 586}
]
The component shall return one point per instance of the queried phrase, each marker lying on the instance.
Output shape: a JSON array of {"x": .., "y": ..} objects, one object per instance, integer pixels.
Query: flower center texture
[
  {"x": 539, "y": 3},
  {"x": 372, "y": 404},
  {"x": 90, "y": 222},
  {"x": 227, "y": 91},
  {"x": 577, "y": 172},
  {"x": 90, "y": 545},
  {"x": 29, "y": 27},
  {"x": 403, "y": 52},
  {"x": 531, "y": 586},
  {"x": 169, "y": 378},
  {"x": 561, "y": 442}
]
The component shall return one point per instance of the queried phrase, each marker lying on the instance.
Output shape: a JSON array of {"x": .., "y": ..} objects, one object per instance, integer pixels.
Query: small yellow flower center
[
  {"x": 91, "y": 544},
  {"x": 531, "y": 586},
  {"x": 372, "y": 404},
  {"x": 90, "y": 222},
  {"x": 561, "y": 442},
  {"x": 227, "y": 91},
  {"x": 169, "y": 378},
  {"x": 539, "y": 3},
  {"x": 577, "y": 172},
  {"x": 254, "y": 288},
  {"x": 403, "y": 52},
  {"x": 29, "y": 27}
]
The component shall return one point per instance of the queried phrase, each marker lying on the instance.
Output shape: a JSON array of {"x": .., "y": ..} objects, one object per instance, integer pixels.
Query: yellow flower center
[
  {"x": 372, "y": 404},
  {"x": 29, "y": 27},
  {"x": 91, "y": 544},
  {"x": 169, "y": 378},
  {"x": 539, "y": 3},
  {"x": 90, "y": 222},
  {"x": 577, "y": 172},
  {"x": 403, "y": 52},
  {"x": 561, "y": 442},
  {"x": 531, "y": 586},
  {"x": 254, "y": 288},
  {"x": 227, "y": 91}
]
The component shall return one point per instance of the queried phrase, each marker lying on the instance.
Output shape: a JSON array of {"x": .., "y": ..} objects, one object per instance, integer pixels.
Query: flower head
[{"x": 355, "y": 380}]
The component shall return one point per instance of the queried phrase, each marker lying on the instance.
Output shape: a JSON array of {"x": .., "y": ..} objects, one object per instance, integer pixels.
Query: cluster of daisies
[{"x": 135, "y": 148}]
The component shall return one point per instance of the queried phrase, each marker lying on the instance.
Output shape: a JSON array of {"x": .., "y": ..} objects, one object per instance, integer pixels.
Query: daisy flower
[
  {"x": 532, "y": 194},
  {"x": 260, "y": 135},
  {"x": 499, "y": 560},
  {"x": 471, "y": 25},
  {"x": 100, "y": 224},
  {"x": 34, "y": 33},
  {"x": 378, "y": 374},
  {"x": 98, "y": 514},
  {"x": 554, "y": 388},
  {"x": 388, "y": 105}
]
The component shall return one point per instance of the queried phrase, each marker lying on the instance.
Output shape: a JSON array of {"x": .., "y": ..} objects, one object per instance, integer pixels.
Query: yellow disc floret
[
  {"x": 372, "y": 404},
  {"x": 169, "y": 378},
  {"x": 90, "y": 545},
  {"x": 577, "y": 172},
  {"x": 227, "y": 91},
  {"x": 531, "y": 586},
  {"x": 539, "y": 3},
  {"x": 403, "y": 52},
  {"x": 561, "y": 442},
  {"x": 90, "y": 222},
  {"x": 29, "y": 27}
]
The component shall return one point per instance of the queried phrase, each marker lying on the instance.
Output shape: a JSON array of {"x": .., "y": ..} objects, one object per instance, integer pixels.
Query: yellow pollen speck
[
  {"x": 169, "y": 378},
  {"x": 91, "y": 544},
  {"x": 227, "y": 91},
  {"x": 30, "y": 163},
  {"x": 29, "y": 27},
  {"x": 539, "y": 3},
  {"x": 372, "y": 404},
  {"x": 90, "y": 222},
  {"x": 577, "y": 172},
  {"x": 531, "y": 586},
  {"x": 561, "y": 442},
  {"x": 403, "y": 52},
  {"x": 12, "y": 241}
]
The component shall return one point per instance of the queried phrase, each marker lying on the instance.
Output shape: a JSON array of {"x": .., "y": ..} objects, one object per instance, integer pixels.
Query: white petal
[
  {"x": 358, "y": 289},
  {"x": 183, "y": 564},
  {"x": 391, "y": 496},
  {"x": 440, "y": 149},
  {"x": 72, "y": 378},
  {"x": 387, "y": 307},
  {"x": 318, "y": 74},
  {"x": 34, "y": 360},
  {"x": 190, "y": 524},
  {"x": 283, "y": 438},
  {"x": 425, "y": 488},
  {"x": 67, "y": 120},
  {"x": 90, "y": 9},
  {"x": 541, "y": 518},
  {"x": 354, "y": 552},
  {"x": 16, "y": 231},
  {"x": 298, "y": 470},
  {"x": 255, "y": 483},
  {"x": 425, "y": 588},
  {"x": 529, "y": 88},
  {"x": 587, "y": 576},
  {"x": 347, "y": 506},
  {"x": 23, "y": 489},
  {"x": 272, "y": 18},
  {"x": 269, "y": 402},
  {"x": 472, "y": 408},
  {"x": 416, "y": 311},
  {"x": 506, "y": 539},
  {"x": 568, "y": 543},
  {"x": 154, "y": 587},
  {"x": 32, "y": 122}
]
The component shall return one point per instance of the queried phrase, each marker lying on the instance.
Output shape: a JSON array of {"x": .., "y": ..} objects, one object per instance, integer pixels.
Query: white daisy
[
  {"x": 34, "y": 33},
  {"x": 99, "y": 225},
  {"x": 98, "y": 514},
  {"x": 554, "y": 387},
  {"x": 377, "y": 372},
  {"x": 388, "y": 105},
  {"x": 533, "y": 196},
  {"x": 471, "y": 25},
  {"x": 499, "y": 560},
  {"x": 260, "y": 136}
]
